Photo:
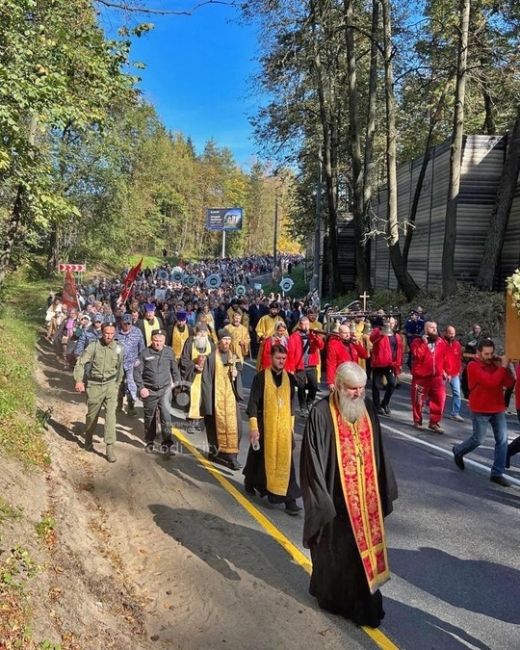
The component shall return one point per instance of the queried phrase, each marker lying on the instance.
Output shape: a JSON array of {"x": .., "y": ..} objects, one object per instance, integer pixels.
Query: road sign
[
  {"x": 213, "y": 281},
  {"x": 286, "y": 285},
  {"x": 75, "y": 268},
  {"x": 240, "y": 290}
]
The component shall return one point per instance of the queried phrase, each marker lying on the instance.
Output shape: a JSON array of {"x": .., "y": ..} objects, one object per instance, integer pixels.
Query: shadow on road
[
  {"x": 478, "y": 586},
  {"x": 426, "y": 630},
  {"x": 229, "y": 547}
]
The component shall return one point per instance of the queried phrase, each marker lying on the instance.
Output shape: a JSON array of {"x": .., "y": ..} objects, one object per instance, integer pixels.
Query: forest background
[{"x": 89, "y": 172}]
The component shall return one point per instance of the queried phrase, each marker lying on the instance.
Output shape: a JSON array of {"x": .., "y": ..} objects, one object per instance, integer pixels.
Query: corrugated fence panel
[
  {"x": 510, "y": 259},
  {"x": 481, "y": 170}
]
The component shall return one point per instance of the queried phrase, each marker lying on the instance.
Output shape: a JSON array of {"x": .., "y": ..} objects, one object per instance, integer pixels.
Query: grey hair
[{"x": 350, "y": 373}]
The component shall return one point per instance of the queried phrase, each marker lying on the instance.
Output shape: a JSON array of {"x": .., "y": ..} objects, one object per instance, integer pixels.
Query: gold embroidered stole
[
  {"x": 358, "y": 473},
  {"x": 238, "y": 333},
  {"x": 148, "y": 329},
  {"x": 277, "y": 433},
  {"x": 266, "y": 327},
  {"x": 225, "y": 409},
  {"x": 179, "y": 339},
  {"x": 196, "y": 384}
]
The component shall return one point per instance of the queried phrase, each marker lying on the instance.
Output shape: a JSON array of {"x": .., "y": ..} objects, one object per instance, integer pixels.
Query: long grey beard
[
  {"x": 200, "y": 343},
  {"x": 350, "y": 409}
]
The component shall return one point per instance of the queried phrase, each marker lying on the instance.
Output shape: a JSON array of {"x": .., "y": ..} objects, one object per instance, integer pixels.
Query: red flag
[
  {"x": 70, "y": 292},
  {"x": 129, "y": 283}
]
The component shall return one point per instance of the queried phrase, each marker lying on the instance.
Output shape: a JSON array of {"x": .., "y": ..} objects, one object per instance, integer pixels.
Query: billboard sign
[{"x": 228, "y": 219}]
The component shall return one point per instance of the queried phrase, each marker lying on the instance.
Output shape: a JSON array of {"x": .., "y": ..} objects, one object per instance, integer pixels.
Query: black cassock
[
  {"x": 254, "y": 470},
  {"x": 338, "y": 579}
]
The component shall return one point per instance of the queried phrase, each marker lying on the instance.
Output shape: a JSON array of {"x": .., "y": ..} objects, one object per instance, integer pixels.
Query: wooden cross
[{"x": 364, "y": 297}]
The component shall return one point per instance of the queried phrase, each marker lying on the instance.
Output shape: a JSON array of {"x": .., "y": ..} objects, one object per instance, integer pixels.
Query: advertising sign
[{"x": 228, "y": 219}]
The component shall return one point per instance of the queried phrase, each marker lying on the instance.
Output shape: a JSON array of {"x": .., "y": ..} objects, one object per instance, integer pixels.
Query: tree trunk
[
  {"x": 500, "y": 215},
  {"x": 368, "y": 169},
  {"x": 354, "y": 138},
  {"x": 335, "y": 284},
  {"x": 11, "y": 233},
  {"x": 449, "y": 283},
  {"x": 53, "y": 254},
  {"x": 404, "y": 279},
  {"x": 489, "y": 123},
  {"x": 368, "y": 163},
  {"x": 15, "y": 221},
  {"x": 422, "y": 174}
]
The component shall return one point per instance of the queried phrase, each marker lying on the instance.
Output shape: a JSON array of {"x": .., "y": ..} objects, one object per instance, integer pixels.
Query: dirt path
[{"x": 147, "y": 556}]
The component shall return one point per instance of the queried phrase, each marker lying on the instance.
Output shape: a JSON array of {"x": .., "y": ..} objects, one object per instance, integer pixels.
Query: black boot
[
  {"x": 292, "y": 508},
  {"x": 512, "y": 449}
]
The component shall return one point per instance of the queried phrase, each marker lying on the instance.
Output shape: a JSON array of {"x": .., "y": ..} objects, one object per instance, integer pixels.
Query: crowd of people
[{"x": 168, "y": 343}]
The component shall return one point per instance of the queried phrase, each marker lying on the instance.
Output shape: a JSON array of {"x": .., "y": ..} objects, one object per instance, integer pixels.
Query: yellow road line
[
  {"x": 379, "y": 638},
  {"x": 266, "y": 523}
]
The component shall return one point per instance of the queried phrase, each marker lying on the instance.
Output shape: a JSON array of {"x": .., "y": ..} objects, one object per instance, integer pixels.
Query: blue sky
[{"x": 198, "y": 74}]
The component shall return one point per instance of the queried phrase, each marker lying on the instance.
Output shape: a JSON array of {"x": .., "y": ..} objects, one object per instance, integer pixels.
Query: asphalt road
[{"x": 454, "y": 539}]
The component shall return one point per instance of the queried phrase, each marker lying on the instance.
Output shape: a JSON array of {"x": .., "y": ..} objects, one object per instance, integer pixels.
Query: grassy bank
[
  {"x": 21, "y": 314},
  {"x": 22, "y": 445}
]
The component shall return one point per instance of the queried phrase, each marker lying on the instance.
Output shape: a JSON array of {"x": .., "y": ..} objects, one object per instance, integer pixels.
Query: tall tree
[
  {"x": 449, "y": 282},
  {"x": 354, "y": 138},
  {"x": 405, "y": 280}
]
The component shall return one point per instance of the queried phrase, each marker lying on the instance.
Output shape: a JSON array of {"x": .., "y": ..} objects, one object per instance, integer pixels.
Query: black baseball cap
[{"x": 158, "y": 332}]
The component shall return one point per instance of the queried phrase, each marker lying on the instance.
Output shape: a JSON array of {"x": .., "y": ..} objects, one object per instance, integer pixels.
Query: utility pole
[{"x": 223, "y": 254}]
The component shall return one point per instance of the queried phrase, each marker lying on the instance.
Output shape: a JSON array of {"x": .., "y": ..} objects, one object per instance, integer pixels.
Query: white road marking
[{"x": 484, "y": 469}]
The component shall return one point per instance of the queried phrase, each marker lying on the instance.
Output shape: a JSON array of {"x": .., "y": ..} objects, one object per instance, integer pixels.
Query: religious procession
[{"x": 198, "y": 350}]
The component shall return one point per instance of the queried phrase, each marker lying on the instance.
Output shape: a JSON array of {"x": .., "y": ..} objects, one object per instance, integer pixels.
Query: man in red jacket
[
  {"x": 341, "y": 347},
  {"x": 428, "y": 376},
  {"x": 453, "y": 369},
  {"x": 386, "y": 360},
  {"x": 303, "y": 356},
  {"x": 514, "y": 446},
  {"x": 487, "y": 379}
]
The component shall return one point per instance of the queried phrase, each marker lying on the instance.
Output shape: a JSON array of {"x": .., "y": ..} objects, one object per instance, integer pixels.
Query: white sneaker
[{"x": 457, "y": 418}]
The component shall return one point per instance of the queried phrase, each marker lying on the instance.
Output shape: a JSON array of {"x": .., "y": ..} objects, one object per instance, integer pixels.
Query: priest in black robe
[
  {"x": 215, "y": 393},
  {"x": 348, "y": 488},
  {"x": 269, "y": 468}
]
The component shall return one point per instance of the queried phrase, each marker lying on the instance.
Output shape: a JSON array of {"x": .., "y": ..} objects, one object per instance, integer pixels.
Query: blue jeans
[
  {"x": 499, "y": 426},
  {"x": 456, "y": 402}
]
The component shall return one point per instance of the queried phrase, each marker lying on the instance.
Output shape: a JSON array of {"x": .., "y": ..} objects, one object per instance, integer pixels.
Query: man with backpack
[{"x": 488, "y": 376}]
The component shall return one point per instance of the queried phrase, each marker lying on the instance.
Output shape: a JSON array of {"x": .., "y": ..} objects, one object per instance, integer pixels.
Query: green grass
[
  {"x": 7, "y": 511},
  {"x": 151, "y": 261},
  {"x": 21, "y": 314},
  {"x": 45, "y": 526}
]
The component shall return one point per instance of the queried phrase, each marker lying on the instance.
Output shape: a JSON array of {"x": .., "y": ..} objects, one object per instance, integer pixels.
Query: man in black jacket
[{"x": 156, "y": 373}]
